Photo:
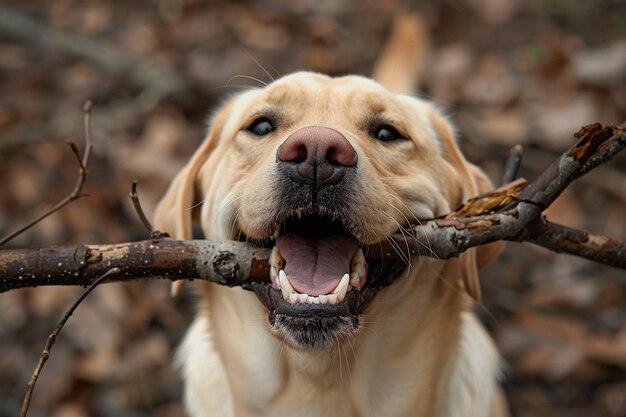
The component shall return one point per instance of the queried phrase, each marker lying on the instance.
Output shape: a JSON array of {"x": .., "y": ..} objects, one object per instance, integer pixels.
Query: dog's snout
[{"x": 317, "y": 155}]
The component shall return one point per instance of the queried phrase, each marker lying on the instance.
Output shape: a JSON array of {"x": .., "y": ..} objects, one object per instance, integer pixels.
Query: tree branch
[
  {"x": 512, "y": 212},
  {"x": 227, "y": 263},
  {"x": 563, "y": 239}
]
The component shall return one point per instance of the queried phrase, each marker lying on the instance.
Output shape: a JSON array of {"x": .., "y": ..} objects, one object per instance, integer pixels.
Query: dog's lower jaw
[
  {"x": 313, "y": 333},
  {"x": 419, "y": 353}
]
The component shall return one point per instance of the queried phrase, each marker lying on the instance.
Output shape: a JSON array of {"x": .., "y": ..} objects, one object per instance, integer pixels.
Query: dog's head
[{"x": 318, "y": 168}]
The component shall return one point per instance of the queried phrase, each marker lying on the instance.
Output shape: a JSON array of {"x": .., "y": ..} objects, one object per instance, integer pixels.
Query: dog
[{"x": 320, "y": 169}]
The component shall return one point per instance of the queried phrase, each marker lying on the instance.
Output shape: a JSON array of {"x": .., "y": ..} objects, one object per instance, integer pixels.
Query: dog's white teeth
[
  {"x": 285, "y": 285},
  {"x": 276, "y": 259},
  {"x": 293, "y": 298},
  {"x": 342, "y": 287},
  {"x": 355, "y": 280},
  {"x": 358, "y": 263},
  {"x": 277, "y": 263}
]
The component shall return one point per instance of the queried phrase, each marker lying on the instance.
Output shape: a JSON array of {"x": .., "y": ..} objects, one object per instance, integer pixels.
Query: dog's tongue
[{"x": 315, "y": 266}]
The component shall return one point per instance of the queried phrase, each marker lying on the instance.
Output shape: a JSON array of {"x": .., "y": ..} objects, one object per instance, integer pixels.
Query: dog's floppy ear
[
  {"x": 475, "y": 182},
  {"x": 174, "y": 212}
]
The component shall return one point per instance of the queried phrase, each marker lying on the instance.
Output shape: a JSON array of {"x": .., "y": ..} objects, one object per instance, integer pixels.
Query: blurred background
[{"x": 507, "y": 71}]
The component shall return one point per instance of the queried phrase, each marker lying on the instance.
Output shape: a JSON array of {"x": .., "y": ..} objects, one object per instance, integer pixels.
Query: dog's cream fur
[{"x": 419, "y": 350}]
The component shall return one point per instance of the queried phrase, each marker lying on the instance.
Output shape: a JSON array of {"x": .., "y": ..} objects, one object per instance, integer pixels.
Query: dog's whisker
[
  {"x": 246, "y": 77},
  {"x": 280, "y": 350},
  {"x": 278, "y": 74},
  {"x": 398, "y": 251},
  {"x": 234, "y": 216},
  {"x": 242, "y": 86},
  {"x": 408, "y": 230},
  {"x": 339, "y": 357},
  {"x": 260, "y": 66},
  {"x": 201, "y": 202},
  {"x": 233, "y": 223},
  {"x": 351, "y": 344},
  {"x": 406, "y": 257},
  {"x": 347, "y": 362},
  {"x": 228, "y": 202},
  {"x": 405, "y": 232},
  {"x": 427, "y": 246}
]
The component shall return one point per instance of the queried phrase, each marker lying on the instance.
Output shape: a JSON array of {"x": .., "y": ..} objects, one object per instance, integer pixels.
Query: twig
[
  {"x": 512, "y": 165},
  {"x": 563, "y": 239},
  {"x": 45, "y": 354},
  {"x": 80, "y": 181},
  {"x": 155, "y": 234}
]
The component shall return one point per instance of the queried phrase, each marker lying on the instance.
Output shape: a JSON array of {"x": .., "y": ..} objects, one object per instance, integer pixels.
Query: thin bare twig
[
  {"x": 80, "y": 181},
  {"x": 155, "y": 234},
  {"x": 138, "y": 209},
  {"x": 512, "y": 165},
  {"x": 45, "y": 354}
]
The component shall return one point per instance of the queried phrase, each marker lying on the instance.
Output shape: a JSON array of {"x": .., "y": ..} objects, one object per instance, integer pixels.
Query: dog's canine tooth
[
  {"x": 332, "y": 299},
  {"x": 342, "y": 287},
  {"x": 323, "y": 299},
  {"x": 302, "y": 298},
  {"x": 276, "y": 259},
  {"x": 293, "y": 298},
  {"x": 358, "y": 263},
  {"x": 285, "y": 285},
  {"x": 355, "y": 279},
  {"x": 277, "y": 263}
]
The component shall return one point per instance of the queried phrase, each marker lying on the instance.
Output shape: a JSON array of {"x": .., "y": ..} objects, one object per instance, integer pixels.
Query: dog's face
[{"x": 319, "y": 168}]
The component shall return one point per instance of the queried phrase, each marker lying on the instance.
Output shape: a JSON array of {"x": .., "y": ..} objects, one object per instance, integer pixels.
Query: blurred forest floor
[{"x": 507, "y": 71}]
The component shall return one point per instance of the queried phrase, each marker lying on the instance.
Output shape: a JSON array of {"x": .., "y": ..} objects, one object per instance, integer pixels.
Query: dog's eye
[
  {"x": 261, "y": 127},
  {"x": 386, "y": 133}
]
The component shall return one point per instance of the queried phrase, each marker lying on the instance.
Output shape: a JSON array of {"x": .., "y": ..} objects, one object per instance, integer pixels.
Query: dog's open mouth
[{"x": 321, "y": 280}]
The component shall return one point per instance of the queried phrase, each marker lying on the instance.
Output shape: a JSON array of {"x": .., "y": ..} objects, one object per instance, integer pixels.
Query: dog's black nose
[{"x": 316, "y": 155}]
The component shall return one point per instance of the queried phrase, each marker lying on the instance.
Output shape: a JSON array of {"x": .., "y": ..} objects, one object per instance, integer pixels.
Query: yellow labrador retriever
[{"x": 318, "y": 168}]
